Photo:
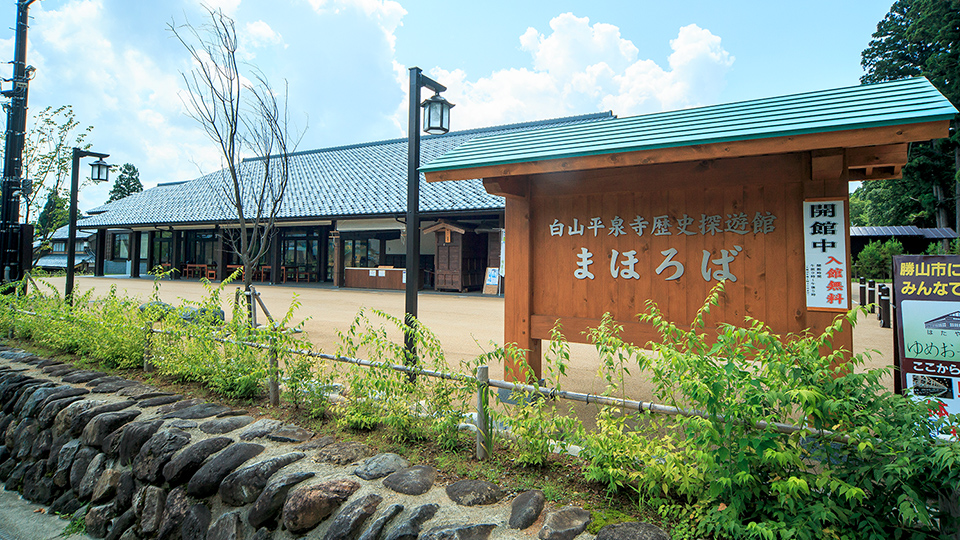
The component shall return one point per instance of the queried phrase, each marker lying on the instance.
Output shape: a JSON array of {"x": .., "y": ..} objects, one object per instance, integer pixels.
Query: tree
[
  {"x": 240, "y": 113},
  {"x": 127, "y": 183},
  {"x": 47, "y": 153},
  {"x": 53, "y": 216},
  {"x": 919, "y": 37}
]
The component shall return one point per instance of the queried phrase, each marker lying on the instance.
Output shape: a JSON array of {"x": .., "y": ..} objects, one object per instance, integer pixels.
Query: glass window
[
  {"x": 121, "y": 246},
  {"x": 373, "y": 253},
  {"x": 144, "y": 245},
  {"x": 59, "y": 247}
]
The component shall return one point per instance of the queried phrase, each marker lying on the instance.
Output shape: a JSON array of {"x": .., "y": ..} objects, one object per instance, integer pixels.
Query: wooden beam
[
  {"x": 889, "y": 172},
  {"x": 517, "y": 187},
  {"x": 877, "y": 156},
  {"x": 827, "y": 165},
  {"x": 875, "y": 136}
]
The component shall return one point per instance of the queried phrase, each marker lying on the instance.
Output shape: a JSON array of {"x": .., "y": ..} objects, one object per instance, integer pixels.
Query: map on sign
[
  {"x": 927, "y": 294},
  {"x": 931, "y": 330}
]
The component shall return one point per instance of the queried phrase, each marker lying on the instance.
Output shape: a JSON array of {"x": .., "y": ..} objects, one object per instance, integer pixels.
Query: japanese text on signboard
[
  {"x": 623, "y": 265},
  {"x": 825, "y": 255}
]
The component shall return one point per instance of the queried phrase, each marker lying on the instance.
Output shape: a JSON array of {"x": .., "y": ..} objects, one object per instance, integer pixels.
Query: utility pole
[{"x": 15, "y": 238}]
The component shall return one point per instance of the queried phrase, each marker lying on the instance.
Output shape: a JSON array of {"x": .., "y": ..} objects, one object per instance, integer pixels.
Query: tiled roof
[
  {"x": 872, "y": 105},
  {"x": 357, "y": 180},
  {"x": 60, "y": 261},
  {"x": 935, "y": 233},
  {"x": 63, "y": 232}
]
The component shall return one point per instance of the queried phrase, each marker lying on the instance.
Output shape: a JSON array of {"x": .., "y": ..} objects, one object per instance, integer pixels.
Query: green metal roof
[{"x": 900, "y": 102}]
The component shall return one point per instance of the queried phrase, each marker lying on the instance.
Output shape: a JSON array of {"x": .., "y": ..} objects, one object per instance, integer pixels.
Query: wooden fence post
[
  {"x": 274, "y": 383},
  {"x": 147, "y": 364},
  {"x": 484, "y": 440}
]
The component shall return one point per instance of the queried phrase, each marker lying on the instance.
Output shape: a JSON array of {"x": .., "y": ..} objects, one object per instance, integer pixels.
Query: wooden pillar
[
  {"x": 135, "y": 254},
  {"x": 151, "y": 263},
  {"x": 175, "y": 254},
  {"x": 829, "y": 178},
  {"x": 100, "y": 254},
  {"x": 337, "y": 258},
  {"x": 518, "y": 304},
  {"x": 324, "y": 235},
  {"x": 275, "y": 261}
]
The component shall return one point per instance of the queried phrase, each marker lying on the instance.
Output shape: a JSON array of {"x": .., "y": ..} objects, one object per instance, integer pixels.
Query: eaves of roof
[
  {"x": 362, "y": 180},
  {"x": 894, "y": 103}
]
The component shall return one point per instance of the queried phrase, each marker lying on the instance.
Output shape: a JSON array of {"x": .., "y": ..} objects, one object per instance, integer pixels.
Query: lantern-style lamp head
[
  {"x": 99, "y": 171},
  {"x": 436, "y": 115}
]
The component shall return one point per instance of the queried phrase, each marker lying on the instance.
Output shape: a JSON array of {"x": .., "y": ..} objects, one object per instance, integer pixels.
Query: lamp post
[
  {"x": 436, "y": 119},
  {"x": 99, "y": 172}
]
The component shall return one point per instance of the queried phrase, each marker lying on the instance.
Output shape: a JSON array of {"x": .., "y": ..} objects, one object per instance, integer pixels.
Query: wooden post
[
  {"x": 484, "y": 440},
  {"x": 147, "y": 364},
  {"x": 100, "y": 253},
  {"x": 518, "y": 305},
  {"x": 274, "y": 375},
  {"x": 135, "y": 254}
]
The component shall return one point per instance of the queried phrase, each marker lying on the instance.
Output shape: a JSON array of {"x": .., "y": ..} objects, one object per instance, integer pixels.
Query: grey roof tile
[{"x": 356, "y": 180}]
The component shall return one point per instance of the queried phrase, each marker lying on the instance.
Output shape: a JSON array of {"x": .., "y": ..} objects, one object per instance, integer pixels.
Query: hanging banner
[
  {"x": 825, "y": 255},
  {"x": 927, "y": 291}
]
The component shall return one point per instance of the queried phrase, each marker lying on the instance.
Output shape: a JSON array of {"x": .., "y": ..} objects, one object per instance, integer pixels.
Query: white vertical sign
[{"x": 825, "y": 255}]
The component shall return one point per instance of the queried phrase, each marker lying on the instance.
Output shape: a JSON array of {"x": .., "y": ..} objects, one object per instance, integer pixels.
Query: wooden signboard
[{"x": 586, "y": 243}]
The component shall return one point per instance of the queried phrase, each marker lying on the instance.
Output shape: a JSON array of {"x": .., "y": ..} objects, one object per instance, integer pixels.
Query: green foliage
[
  {"x": 880, "y": 476},
  {"x": 936, "y": 248},
  {"x": 126, "y": 184},
  {"x": 926, "y": 189},
  {"x": 875, "y": 261},
  {"x": 917, "y": 37},
  {"x": 409, "y": 405},
  {"x": 601, "y": 518},
  {"x": 77, "y": 525},
  {"x": 47, "y": 155},
  {"x": 537, "y": 424},
  {"x": 99, "y": 331},
  {"x": 53, "y": 216}
]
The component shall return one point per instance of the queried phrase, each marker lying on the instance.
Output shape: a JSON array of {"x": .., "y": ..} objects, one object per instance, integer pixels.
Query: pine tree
[
  {"x": 53, "y": 216},
  {"x": 127, "y": 183},
  {"x": 918, "y": 37}
]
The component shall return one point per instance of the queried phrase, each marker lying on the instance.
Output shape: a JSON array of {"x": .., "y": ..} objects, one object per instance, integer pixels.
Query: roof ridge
[{"x": 516, "y": 125}]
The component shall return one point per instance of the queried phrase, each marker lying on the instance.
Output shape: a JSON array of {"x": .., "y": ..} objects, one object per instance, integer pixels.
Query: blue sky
[{"x": 345, "y": 61}]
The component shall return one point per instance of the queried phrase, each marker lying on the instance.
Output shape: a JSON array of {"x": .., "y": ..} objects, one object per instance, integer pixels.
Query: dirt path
[{"x": 465, "y": 324}]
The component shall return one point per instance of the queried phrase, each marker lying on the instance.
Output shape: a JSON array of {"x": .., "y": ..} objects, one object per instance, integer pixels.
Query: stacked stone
[{"x": 131, "y": 466}]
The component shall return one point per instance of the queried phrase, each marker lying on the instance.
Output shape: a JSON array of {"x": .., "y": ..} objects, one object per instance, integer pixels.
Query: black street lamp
[
  {"x": 99, "y": 172},
  {"x": 436, "y": 120}
]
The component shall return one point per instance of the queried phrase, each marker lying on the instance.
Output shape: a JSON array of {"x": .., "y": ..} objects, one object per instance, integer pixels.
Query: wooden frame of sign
[{"x": 597, "y": 234}]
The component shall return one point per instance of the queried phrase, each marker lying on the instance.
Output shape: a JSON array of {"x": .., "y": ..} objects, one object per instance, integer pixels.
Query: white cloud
[
  {"x": 387, "y": 13},
  {"x": 260, "y": 34},
  {"x": 579, "y": 68},
  {"x": 229, "y": 7}
]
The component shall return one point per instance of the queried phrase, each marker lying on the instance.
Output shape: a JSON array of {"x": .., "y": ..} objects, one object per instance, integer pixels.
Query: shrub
[
  {"x": 879, "y": 474},
  {"x": 875, "y": 261}
]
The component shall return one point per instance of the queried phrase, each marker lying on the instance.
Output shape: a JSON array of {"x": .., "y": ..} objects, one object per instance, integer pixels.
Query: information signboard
[
  {"x": 825, "y": 255},
  {"x": 927, "y": 291}
]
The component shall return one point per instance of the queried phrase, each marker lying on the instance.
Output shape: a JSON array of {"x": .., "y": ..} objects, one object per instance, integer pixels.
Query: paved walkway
[{"x": 466, "y": 324}]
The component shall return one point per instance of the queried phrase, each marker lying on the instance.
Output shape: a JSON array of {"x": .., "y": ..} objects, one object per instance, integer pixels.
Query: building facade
[{"x": 341, "y": 220}]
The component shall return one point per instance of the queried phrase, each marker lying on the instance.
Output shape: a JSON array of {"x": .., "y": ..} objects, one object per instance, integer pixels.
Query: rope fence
[{"x": 483, "y": 382}]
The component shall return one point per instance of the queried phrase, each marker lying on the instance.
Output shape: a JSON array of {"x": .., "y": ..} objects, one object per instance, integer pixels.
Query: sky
[{"x": 345, "y": 62}]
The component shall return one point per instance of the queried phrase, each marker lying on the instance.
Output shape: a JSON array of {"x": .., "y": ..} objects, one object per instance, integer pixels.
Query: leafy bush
[
  {"x": 409, "y": 405},
  {"x": 875, "y": 261},
  {"x": 880, "y": 474}
]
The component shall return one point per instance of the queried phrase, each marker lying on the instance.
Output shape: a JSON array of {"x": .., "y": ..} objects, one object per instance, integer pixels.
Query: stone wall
[{"x": 137, "y": 463}]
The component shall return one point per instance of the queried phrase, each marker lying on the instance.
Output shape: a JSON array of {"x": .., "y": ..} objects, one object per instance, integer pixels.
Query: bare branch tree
[{"x": 240, "y": 115}]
